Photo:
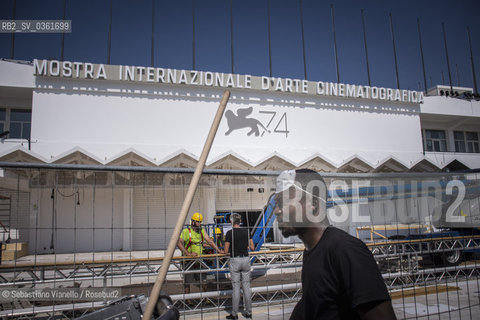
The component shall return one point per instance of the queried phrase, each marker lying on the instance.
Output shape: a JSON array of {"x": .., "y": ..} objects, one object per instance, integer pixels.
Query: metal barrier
[{"x": 107, "y": 227}]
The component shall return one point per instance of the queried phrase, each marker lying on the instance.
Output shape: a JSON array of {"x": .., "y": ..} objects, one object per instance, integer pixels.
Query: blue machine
[{"x": 264, "y": 223}]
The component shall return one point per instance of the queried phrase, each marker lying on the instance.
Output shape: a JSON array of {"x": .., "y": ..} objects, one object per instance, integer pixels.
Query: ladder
[{"x": 5, "y": 217}]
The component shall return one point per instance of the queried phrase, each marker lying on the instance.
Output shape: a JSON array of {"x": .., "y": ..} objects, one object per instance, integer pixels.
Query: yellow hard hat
[
  {"x": 197, "y": 216},
  {"x": 218, "y": 231}
]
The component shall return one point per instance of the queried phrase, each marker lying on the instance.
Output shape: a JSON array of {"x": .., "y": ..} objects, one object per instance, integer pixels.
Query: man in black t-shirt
[
  {"x": 237, "y": 242},
  {"x": 340, "y": 278}
]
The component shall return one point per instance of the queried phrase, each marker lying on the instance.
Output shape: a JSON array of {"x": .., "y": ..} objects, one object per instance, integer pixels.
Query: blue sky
[{"x": 132, "y": 32}]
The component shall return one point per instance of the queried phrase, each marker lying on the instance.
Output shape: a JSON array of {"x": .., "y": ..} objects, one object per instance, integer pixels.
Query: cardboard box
[{"x": 12, "y": 251}]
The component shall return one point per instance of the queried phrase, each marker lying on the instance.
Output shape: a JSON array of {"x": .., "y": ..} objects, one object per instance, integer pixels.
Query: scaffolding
[
  {"x": 5, "y": 218},
  {"x": 107, "y": 227}
]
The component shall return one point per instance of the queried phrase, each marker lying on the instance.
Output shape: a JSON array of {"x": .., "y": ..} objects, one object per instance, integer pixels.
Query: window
[
  {"x": 466, "y": 142},
  {"x": 17, "y": 121},
  {"x": 20, "y": 123},
  {"x": 472, "y": 142},
  {"x": 459, "y": 141},
  {"x": 435, "y": 140},
  {"x": 3, "y": 118}
]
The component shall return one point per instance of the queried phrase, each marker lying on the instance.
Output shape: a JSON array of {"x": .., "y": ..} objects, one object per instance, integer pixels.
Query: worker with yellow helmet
[
  {"x": 191, "y": 242},
  {"x": 219, "y": 237}
]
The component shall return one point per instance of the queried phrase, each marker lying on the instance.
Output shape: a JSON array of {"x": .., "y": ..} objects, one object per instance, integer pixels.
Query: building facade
[{"x": 81, "y": 113}]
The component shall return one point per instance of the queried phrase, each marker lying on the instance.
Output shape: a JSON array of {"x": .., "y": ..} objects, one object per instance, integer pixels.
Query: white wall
[
  {"x": 158, "y": 121},
  {"x": 140, "y": 217},
  {"x": 16, "y": 75},
  {"x": 93, "y": 225},
  {"x": 451, "y": 106}
]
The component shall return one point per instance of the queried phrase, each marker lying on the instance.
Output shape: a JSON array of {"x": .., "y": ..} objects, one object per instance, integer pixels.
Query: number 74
[{"x": 281, "y": 125}]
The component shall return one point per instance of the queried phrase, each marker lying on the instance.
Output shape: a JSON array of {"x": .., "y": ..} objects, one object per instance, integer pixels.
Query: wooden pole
[{"x": 155, "y": 293}]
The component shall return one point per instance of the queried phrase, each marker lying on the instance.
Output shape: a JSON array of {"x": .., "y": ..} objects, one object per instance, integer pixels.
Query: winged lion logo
[{"x": 240, "y": 121}]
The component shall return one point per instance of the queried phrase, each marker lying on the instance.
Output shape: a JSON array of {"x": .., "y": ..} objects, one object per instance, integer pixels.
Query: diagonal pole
[
  {"x": 155, "y": 293},
  {"x": 446, "y": 55},
  {"x": 394, "y": 50},
  {"x": 303, "y": 41},
  {"x": 475, "y": 89},
  {"x": 366, "y": 48},
  {"x": 335, "y": 43},
  {"x": 421, "y": 54}
]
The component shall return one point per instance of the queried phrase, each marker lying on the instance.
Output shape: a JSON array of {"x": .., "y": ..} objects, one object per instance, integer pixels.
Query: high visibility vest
[{"x": 193, "y": 240}]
